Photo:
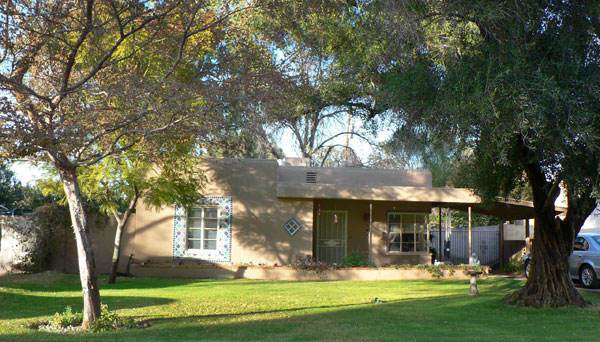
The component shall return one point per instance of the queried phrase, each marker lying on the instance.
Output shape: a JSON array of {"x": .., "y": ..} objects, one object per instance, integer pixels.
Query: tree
[
  {"x": 117, "y": 183},
  {"x": 83, "y": 81},
  {"x": 302, "y": 90},
  {"x": 517, "y": 84},
  {"x": 11, "y": 190}
]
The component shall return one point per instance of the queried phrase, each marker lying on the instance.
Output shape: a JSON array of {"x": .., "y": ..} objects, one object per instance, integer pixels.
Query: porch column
[
  {"x": 501, "y": 241},
  {"x": 527, "y": 228},
  {"x": 439, "y": 251},
  {"x": 470, "y": 236},
  {"x": 371, "y": 231}
]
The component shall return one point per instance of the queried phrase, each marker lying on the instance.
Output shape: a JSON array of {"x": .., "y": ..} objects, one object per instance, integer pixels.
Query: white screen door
[{"x": 331, "y": 236}]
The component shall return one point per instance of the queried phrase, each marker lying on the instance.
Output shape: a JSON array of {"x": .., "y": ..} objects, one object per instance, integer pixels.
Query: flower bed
[{"x": 403, "y": 272}]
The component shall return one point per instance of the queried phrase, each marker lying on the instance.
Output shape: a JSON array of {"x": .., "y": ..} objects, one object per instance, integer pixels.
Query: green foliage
[
  {"x": 49, "y": 229},
  {"x": 437, "y": 271},
  {"x": 514, "y": 265},
  {"x": 50, "y": 226},
  {"x": 164, "y": 178},
  {"x": 34, "y": 198},
  {"x": 460, "y": 219},
  {"x": 502, "y": 86},
  {"x": 66, "y": 319},
  {"x": 356, "y": 259},
  {"x": 11, "y": 190},
  {"x": 110, "y": 320}
]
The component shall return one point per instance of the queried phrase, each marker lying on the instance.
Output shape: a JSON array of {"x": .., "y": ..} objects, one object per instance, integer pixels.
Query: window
[
  {"x": 208, "y": 225},
  {"x": 407, "y": 232},
  {"x": 202, "y": 228},
  {"x": 581, "y": 244},
  {"x": 292, "y": 226}
]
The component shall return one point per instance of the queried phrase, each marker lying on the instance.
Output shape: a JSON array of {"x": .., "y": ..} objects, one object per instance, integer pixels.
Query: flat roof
[{"x": 454, "y": 198}]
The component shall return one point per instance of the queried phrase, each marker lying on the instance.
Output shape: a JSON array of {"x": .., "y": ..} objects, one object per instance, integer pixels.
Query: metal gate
[
  {"x": 331, "y": 236},
  {"x": 456, "y": 248}
]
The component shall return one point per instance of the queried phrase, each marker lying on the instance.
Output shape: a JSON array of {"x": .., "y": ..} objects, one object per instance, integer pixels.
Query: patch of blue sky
[{"x": 380, "y": 131}]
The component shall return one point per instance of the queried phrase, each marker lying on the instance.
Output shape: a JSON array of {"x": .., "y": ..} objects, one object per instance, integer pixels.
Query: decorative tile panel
[
  {"x": 292, "y": 226},
  {"x": 223, "y": 251}
]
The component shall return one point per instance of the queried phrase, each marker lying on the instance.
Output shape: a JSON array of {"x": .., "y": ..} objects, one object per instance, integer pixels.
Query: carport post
[
  {"x": 470, "y": 237},
  {"x": 501, "y": 241},
  {"x": 439, "y": 251},
  {"x": 371, "y": 231}
]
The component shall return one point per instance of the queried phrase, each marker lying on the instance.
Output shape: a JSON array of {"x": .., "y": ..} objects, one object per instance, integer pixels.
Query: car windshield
[{"x": 596, "y": 238}]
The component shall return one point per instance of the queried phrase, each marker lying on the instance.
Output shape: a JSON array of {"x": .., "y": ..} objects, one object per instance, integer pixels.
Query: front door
[{"x": 331, "y": 236}]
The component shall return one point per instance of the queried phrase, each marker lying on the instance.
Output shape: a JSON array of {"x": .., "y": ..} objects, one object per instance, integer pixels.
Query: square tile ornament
[
  {"x": 223, "y": 250},
  {"x": 292, "y": 226}
]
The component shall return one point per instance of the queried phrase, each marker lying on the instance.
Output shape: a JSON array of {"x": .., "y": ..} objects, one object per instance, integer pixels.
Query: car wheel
[
  {"x": 587, "y": 276},
  {"x": 527, "y": 268}
]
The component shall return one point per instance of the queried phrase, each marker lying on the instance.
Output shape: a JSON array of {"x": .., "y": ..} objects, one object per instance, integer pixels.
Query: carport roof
[{"x": 455, "y": 198}]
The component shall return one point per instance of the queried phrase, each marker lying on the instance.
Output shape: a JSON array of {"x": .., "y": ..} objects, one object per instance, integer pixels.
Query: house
[{"x": 274, "y": 213}]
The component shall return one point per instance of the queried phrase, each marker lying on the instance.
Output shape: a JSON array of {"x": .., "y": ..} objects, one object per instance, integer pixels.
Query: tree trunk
[
  {"x": 549, "y": 284},
  {"x": 87, "y": 267},
  {"x": 121, "y": 223}
]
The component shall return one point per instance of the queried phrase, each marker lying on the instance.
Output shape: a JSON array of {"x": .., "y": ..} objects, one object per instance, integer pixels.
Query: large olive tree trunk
[
  {"x": 549, "y": 284},
  {"x": 85, "y": 254}
]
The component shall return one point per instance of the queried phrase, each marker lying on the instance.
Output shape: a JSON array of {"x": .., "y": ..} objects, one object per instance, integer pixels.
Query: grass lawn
[{"x": 249, "y": 310}]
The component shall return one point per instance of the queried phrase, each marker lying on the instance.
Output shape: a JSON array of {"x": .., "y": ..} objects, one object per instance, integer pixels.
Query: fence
[
  {"x": 456, "y": 247},
  {"x": 13, "y": 240}
]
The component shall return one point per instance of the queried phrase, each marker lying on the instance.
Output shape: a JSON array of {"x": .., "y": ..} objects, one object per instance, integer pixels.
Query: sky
[
  {"x": 26, "y": 172},
  {"x": 288, "y": 144}
]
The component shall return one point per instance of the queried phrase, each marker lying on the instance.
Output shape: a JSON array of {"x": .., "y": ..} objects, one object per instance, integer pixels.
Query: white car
[{"x": 584, "y": 262}]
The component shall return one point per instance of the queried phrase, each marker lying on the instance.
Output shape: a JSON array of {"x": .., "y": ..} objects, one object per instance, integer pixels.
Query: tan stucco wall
[
  {"x": 153, "y": 236},
  {"x": 102, "y": 233},
  {"x": 258, "y": 216}
]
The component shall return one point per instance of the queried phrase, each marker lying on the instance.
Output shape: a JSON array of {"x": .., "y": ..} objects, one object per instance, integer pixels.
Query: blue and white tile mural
[{"x": 223, "y": 251}]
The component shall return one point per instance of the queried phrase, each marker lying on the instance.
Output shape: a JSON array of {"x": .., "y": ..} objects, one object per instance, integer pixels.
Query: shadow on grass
[
  {"x": 60, "y": 282},
  {"x": 443, "y": 317},
  {"x": 19, "y": 305}
]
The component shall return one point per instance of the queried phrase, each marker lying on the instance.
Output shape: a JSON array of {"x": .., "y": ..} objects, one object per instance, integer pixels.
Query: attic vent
[{"x": 311, "y": 176}]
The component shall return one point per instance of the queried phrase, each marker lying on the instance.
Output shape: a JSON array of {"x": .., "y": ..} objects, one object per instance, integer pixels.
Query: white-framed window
[
  {"x": 407, "y": 232},
  {"x": 202, "y": 225}
]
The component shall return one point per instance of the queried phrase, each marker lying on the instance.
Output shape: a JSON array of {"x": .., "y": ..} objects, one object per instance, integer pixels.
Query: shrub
[
  {"x": 437, "y": 271},
  {"x": 110, "y": 320},
  {"x": 514, "y": 264},
  {"x": 356, "y": 259},
  {"x": 66, "y": 319},
  {"x": 50, "y": 224},
  {"x": 48, "y": 234},
  {"x": 310, "y": 264}
]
